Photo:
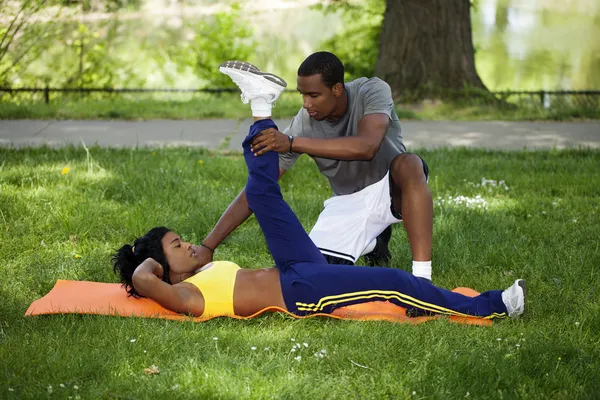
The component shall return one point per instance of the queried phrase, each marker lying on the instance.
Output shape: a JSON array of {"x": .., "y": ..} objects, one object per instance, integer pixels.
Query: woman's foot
[
  {"x": 514, "y": 298},
  {"x": 259, "y": 88}
]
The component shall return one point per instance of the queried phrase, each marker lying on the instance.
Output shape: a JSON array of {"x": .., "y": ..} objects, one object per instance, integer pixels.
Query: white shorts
[{"x": 349, "y": 223}]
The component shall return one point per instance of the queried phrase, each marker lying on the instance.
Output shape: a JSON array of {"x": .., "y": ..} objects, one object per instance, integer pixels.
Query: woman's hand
[{"x": 204, "y": 256}]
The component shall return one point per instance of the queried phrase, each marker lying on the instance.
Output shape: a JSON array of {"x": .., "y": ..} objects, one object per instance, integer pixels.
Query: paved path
[{"x": 227, "y": 134}]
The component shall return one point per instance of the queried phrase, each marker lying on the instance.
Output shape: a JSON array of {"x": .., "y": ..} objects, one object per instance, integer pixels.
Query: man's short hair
[{"x": 327, "y": 64}]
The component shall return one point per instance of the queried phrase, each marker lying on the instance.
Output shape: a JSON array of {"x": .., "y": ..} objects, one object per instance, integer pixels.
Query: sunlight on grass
[
  {"x": 540, "y": 222},
  {"x": 228, "y": 105}
]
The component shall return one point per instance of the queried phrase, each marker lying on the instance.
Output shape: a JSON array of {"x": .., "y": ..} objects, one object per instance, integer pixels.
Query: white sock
[
  {"x": 422, "y": 269},
  {"x": 260, "y": 108},
  {"x": 370, "y": 247}
]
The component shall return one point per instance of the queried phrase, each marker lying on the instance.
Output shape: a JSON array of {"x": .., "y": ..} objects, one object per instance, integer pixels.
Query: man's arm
[
  {"x": 237, "y": 212},
  {"x": 371, "y": 131}
]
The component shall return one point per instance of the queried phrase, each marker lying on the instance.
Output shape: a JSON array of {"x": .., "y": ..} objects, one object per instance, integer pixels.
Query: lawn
[
  {"x": 227, "y": 105},
  {"x": 498, "y": 216}
]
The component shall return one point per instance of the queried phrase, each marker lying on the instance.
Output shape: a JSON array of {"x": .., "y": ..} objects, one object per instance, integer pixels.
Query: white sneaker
[
  {"x": 261, "y": 89},
  {"x": 514, "y": 298}
]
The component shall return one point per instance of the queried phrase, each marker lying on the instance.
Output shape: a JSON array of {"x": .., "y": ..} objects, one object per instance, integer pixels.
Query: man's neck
[{"x": 340, "y": 108}]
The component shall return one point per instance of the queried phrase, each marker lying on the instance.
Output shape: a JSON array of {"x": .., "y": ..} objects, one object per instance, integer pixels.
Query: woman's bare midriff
[{"x": 257, "y": 289}]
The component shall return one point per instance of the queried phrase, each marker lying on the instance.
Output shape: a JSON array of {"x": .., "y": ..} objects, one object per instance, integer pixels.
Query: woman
[{"x": 163, "y": 267}]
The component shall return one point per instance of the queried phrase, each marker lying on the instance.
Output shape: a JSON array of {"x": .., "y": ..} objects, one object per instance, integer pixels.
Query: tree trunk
[{"x": 426, "y": 47}]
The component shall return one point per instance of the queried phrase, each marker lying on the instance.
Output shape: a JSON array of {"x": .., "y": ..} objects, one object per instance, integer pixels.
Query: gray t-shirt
[{"x": 365, "y": 96}]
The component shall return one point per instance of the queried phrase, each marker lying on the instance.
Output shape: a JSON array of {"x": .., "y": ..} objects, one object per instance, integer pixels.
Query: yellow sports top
[{"x": 216, "y": 284}]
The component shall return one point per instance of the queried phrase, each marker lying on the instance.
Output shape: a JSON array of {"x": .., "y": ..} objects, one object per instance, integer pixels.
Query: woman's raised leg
[{"x": 287, "y": 240}]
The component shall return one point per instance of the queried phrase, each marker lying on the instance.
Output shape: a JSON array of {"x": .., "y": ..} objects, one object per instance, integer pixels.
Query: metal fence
[{"x": 543, "y": 98}]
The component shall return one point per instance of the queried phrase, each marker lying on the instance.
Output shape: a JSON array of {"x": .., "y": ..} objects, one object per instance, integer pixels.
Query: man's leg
[
  {"x": 412, "y": 199},
  {"x": 348, "y": 223},
  {"x": 378, "y": 251}
]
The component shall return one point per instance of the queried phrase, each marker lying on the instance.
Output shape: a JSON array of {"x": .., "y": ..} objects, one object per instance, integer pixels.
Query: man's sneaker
[
  {"x": 514, "y": 298},
  {"x": 261, "y": 89},
  {"x": 380, "y": 256}
]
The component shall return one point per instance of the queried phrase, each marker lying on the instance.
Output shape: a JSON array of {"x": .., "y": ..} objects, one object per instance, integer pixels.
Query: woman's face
[{"x": 181, "y": 256}]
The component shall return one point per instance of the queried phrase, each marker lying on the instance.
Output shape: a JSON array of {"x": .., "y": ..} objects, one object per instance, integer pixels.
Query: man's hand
[
  {"x": 204, "y": 255},
  {"x": 270, "y": 140}
]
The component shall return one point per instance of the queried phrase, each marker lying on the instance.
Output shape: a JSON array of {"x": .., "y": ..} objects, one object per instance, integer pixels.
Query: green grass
[
  {"x": 544, "y": 228},
  {"x": 486, "y": 112},
  {"x": 142, "y": 107}
]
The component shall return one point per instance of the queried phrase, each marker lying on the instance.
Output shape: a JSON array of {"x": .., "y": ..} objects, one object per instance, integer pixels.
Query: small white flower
[
  {"x": 517, "y": 345},
  {"x": 132, "y": 340},
  {"x": 49, "y": 388},
  {"x": 574, "y": 220},
  {"x": 577, "y": 323},
  {"x": 298, "y": 345},
  {"x": 305, "y": 344},
  {"x": 267, "y": 349},
  {"x": 145, "y": 351},
  {"x": 414, "y": 393},
  {"x": 292, "y": 339},
  {"x": 215, "y": 338},
  {"x": 468, "y": 394},
  {"x": 253, "y": 348},
  {"x": 11, "y": 389},
  {"x": 544, "y": 212},
  {"x": 75, "y": 387},
  {"x": 42, "y": 244},
  {"x": 293, "y": 349},
  {"x": 498, "y": 339},
  {"x": 62, "y": 385},
  {"x": 298, "y": 358},
  {"x": 175, "y": 387},
  {"x": 324, "y": 351}
]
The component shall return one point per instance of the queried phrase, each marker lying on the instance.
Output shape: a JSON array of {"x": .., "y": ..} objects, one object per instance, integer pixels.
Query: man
[{"x": 353, "y": 133}]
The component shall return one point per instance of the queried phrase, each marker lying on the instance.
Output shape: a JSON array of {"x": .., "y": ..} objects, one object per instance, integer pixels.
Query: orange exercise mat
[{"x": 81, "y": 297}]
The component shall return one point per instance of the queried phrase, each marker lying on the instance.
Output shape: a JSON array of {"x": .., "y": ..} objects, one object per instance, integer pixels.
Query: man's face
[
  {"x": 181, "y": 256},
  {"x": 319, "y": 100}
]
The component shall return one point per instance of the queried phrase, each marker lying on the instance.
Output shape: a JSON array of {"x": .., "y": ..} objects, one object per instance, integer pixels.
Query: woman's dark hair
[
  {"x": 327, "y": 64},
  {"x": 128, "y": 258}
]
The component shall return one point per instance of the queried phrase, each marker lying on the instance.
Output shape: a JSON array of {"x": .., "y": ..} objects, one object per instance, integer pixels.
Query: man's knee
[{"x": 406, "y": 168}]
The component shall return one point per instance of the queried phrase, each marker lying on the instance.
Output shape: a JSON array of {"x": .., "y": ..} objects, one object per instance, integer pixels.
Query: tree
[
  {"x": 427, "y": 44},
  {"x": 424, "y": 46},
  {"x": 20, "y": 40}
]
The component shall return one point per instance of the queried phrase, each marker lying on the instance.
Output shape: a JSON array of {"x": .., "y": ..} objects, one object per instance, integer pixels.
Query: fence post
[
  {"x": 542, "y": 95},
  {"x": 47, "y": 94}
]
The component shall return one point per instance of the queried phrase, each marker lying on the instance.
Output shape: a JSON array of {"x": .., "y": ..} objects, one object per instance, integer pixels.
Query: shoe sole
[{"x": 249, "y": 68}]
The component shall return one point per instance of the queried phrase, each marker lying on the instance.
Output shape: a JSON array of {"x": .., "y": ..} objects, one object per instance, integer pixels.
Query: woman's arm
[{"x": 147, "y": 281}]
